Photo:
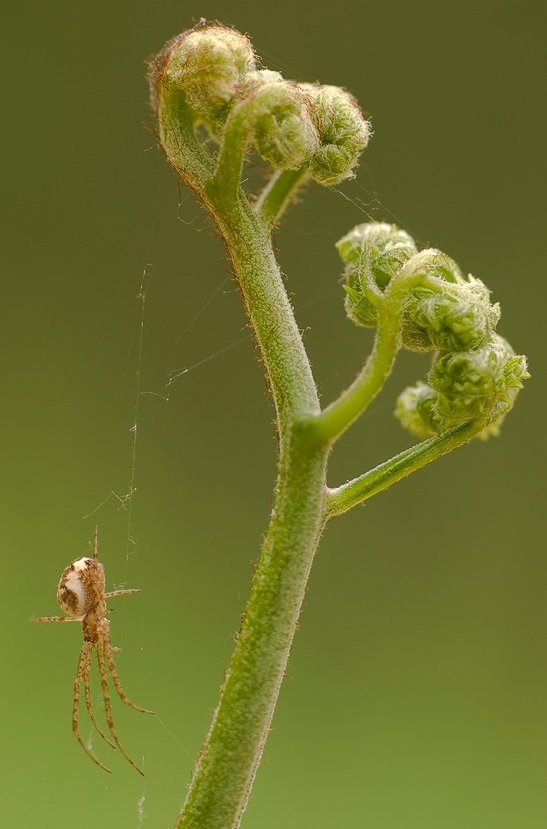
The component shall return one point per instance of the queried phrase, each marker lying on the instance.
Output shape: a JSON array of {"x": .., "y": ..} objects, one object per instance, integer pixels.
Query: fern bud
[
  {"x": 343, "y": 132},
  {"x": 377, "y": 240},
  {"x": 284, "y": 133},
  {"x": 380, "y": 248},
  {"x": 449, "y": 316},
  {"x": 416, "y": 410},
  {"x": 444, "y": 311},
  {"x": 478, "y": 383},
  {"x": 258, "y": 78},
  {"x": 210, "y": 65}
]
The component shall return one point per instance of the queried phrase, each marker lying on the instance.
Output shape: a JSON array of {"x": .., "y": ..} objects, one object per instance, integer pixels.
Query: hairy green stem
[
  {"x": 177, "y": 137},
  {"x": 231, "y": 155},
  {"x": 227, "y": 764},
  {"x": 278, "y": 194},
  {"x": 336, "y": 418},
  {"x": 249, "y": 249},
  {"x": 354, "y": 492}
]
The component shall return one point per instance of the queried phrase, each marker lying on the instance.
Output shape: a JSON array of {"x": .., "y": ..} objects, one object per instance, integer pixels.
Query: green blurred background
[{"x": 417, "y": 687}]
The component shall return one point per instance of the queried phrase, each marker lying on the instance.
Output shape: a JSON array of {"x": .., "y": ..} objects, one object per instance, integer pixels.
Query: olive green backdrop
[{"x": 416, "y": 696}]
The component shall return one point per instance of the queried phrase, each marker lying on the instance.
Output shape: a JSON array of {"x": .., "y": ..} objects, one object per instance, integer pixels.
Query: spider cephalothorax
[{"x": 81, "y": 594}]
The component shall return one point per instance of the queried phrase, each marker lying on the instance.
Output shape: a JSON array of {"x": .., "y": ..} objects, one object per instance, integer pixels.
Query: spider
[{"x": 81, "y": 594}]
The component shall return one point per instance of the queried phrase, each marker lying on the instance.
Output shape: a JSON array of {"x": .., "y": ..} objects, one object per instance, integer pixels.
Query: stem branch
[
  {"x": 278, "y": 193},
  {"x": 336, "y": 418},
  {"x": 354, "y": 492},
  {"x": 226, "y": 182}
]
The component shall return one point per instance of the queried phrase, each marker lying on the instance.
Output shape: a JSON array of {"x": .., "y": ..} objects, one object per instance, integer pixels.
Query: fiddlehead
[{"x": 208, "y": 76}]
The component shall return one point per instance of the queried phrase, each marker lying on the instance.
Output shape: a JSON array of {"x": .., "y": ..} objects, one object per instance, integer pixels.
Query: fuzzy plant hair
[{"x": 215, "y": 105}]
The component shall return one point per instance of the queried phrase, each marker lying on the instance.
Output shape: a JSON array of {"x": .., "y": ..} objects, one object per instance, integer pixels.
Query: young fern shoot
[{"x": 208, "y": 78}]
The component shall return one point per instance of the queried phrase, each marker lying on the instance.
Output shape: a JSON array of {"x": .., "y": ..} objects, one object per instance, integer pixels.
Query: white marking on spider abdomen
[{"x": 72, "y": 594}]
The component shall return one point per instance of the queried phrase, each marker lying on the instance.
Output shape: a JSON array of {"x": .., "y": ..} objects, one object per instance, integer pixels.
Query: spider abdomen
[{"x": 80, "y": 586}]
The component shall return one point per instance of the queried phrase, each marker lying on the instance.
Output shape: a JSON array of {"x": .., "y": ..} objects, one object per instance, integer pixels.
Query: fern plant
[{"x": 214, "y": 106}]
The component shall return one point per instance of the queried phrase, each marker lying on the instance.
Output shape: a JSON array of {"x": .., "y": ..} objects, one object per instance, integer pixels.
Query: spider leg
[
  {"x": 117, "y": 684},
  {"x": 85, "y": 672},
  {"x": 83, "y": 666},
  {"x": 96, "y": 543},
  {"x": 57, "y": 619},
  {"x": 115, "y": 593},
  {"x": 107, "y": 705}
]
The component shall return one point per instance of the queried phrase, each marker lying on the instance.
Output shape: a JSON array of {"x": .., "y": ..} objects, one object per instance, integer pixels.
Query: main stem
[
  {"x": 227, "y": 764},
  {"x": 249, "y": 248}
]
